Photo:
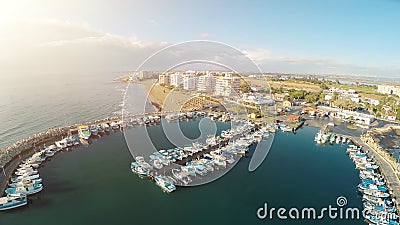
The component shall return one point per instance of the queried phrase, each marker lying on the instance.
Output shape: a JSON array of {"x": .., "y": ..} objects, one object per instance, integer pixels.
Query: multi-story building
[
  {"x": 227, "y": 85},
  {"x": 164, "y": 79},
  {"x": 206, "y": 83},
  {"x": 176, "y": 79},
  {"x": 389, "y": 89},
  {"x": 142, "y": 75},
  {"x": 189, "y": 80}
]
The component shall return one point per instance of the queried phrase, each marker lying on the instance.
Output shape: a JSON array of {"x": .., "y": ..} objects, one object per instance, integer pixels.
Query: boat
[
  {"x": 12, "y": 201},
  {"x": 100, "y": 128},
  {"x": 27, "y": 190},
  {"x": 93, "y": 130},
  {"x": 61, "y": 144},
  {"x": 84, "y": 132},
  {"x": 114, "y": 125},
  {"x": 338, "y": 140},
  {"x": 138, "y": 169},
  {"x": 376, "y": 193},
  {"x": 165, "y": 183},
  {"x": 24, "y": 178},
  {"x": 365, "y": 186},
  {"x": 157, "y": 163},
  {"x": 172, "y": 117},
  {"x": 25, "y": 183},
  {"x": 106, "y": 127}
]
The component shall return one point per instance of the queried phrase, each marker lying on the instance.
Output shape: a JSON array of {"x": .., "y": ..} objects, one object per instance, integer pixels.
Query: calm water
[{"x": 94, "y": 185}]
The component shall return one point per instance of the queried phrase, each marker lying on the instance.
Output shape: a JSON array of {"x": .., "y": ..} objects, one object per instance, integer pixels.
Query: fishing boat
[
  {"x": 338, "y": 140},
  {"x": 25, "y": 183},
  {"x": 376, "y": 193},
  {"x": 172, "y": 117},
  {"x": 100, "y": 128},
  {"x": 165, "y": 183},
  {"x": 12, "y": 201},
  {"x": 114, "y": 125},
  {"x": 26, "y": 190},
  {"x": 84, "y": 132},
  {"x": 364, "y": 186},
  {"x": 93, "y": 130},
  {"x": 106, "y": 127},
  {"x": 61, "y": 144},
  {"x": 138, "y": 169}
]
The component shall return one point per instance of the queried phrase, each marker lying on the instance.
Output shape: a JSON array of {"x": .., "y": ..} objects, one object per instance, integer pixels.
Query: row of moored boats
[
  {"x": 209, "y": 156},
  {"x": 26, "y": 179},
  {"x": 380, "y": 208}
]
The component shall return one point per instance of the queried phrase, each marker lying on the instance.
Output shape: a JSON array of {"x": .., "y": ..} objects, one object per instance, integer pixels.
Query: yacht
[
  {"x": 84, "y": 132},
  {"x": 93, "y": 130},
  {"x": 12, "y": 201},
  {"x": 165, "y": 183}
]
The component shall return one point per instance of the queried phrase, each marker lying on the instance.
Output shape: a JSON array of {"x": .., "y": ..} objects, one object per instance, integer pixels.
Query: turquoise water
[{"x": 94, "y": 185}]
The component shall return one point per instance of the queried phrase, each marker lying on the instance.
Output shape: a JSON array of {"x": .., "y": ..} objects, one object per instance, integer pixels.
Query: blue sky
[{"x": 344, "y": 33}]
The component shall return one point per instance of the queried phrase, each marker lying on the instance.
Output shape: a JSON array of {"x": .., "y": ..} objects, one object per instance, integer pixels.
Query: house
[
  {"x": 391, "y": 116},
  {"x": 294, "y": 118},
  {"x": 287, "y": 104}
]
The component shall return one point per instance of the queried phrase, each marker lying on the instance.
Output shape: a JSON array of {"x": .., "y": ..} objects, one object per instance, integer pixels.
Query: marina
[
  {"x": 183, "y": 165},
  {"x": 24, "y": 179},
  {"x": 103, "y": 168}
]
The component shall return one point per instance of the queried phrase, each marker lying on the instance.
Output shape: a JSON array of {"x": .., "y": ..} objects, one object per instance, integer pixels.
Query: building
[
  {"x": 176, "y": 80},
  {"x": 287, "y": 104},
  {"x": 206, "y": 83},
  {"x": 391, "y": 117},
  {"x": 293, "y": 118},
  {"x": 257, "y": 100},
  {"x": 164, "y": 79},
  {"x": 389, "y": 89},
  {"x": 361, "y": 118},
  {"x": 227, "y": 85},
  {"x": 142, "y": 75},
  {"x": 189, "y": 80},
  {"x": 372, "y": 101}
]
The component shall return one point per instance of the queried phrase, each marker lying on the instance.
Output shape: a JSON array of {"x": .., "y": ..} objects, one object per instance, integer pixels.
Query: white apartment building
[
  {"x": 389, "y": 89},
  {"x": 206, "y": 83},
  {"x": 189, "y": 80},
  {"x": 228, "y": 85},
  {"x": 176, "y": 79}
]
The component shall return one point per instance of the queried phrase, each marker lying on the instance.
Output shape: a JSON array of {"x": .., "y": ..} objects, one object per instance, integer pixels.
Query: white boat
[
  {"x": 26, "y": 190},
  {"x": 114, "y": 125},
  {"x": 61, "y": 144},
  {"x": 12, "y": 201},
  {"x": 165, "y": 183},
  {"x": 84, "y": 132},
  {"x": 106, "y": 127},
  {"x": 100, "y": 128},
  {"x": 25, "y": 183},
  {"x": 93, "y": 130}
]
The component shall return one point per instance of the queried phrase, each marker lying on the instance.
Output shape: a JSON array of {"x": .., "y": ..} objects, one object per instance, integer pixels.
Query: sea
[{"x": 94, "y": 184}]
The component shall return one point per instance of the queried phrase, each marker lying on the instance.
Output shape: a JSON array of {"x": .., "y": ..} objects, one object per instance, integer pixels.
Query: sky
[{"x": 322, "y": 37}]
